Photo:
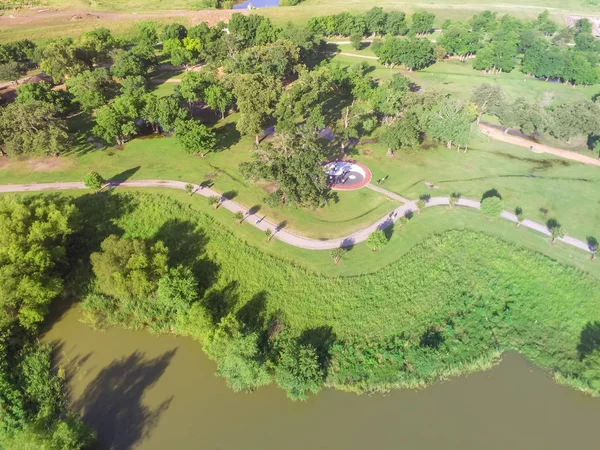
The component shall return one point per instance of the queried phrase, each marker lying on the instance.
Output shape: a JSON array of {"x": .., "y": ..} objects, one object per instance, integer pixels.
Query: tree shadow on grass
[
  {"x": 123, "y": 176},
  {"x": 112, "y": 402},
  {"x": 321, "y": 338},
  {"x": 254, "y": 314},
  {"x": 226, "y": 137},
  {"x": 491, "y": 193},
  {"x": 589, "y": 340},
  {"x": 220, "y": 302},
  {"x": 187, "y": 247}
]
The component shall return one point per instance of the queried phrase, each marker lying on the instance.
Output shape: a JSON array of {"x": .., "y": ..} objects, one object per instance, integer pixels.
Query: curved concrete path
[{"x": 279, "y": 232}]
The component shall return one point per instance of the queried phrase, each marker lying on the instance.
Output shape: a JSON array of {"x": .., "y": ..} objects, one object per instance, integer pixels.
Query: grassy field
[
  {"x": 450, "y": 302},
  {"x": 459, "y": 79}
]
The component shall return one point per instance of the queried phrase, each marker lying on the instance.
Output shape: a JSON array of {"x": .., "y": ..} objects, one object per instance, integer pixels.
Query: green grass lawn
[
  {"x": 459, "y": 79},
  {"x": 544, "y": 186}
]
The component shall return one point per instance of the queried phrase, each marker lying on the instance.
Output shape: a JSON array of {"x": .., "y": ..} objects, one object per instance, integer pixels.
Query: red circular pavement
[{"x": 342, "y": 177}]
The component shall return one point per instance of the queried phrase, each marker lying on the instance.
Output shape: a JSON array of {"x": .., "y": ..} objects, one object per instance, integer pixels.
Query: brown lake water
[{"x": 160, "y": 392}]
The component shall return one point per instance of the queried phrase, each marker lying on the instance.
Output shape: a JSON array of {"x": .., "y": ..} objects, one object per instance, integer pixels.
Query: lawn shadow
[
  {"x": 432, "y": 338},
  {"x": 187, "y": 246},
  {"x": 321, "y": 338},
  {"x": 254, "y": 314},
  {"x": 491, "y": 193},
  {"x": 112, "y": 403},
  {"x": 226, "y": 137},
  {"x": 123, "y": 176},
  {"x": 589, "y": 340},
  {"x": 220, "y": 302}
]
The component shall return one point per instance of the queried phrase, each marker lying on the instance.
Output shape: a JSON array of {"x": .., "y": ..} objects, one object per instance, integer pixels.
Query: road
[{"x": 279, "y": 231}]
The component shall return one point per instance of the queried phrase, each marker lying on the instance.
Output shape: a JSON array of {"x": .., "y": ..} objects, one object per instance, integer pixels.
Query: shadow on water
[{"x": 112, "y": 402}]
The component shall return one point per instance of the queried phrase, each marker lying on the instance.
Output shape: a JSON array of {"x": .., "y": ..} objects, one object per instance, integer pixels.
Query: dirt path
[
  {"x": 279, "y": 231},
  {"x": 498, "y": 134},
  {"x": 35, "y": 18}
]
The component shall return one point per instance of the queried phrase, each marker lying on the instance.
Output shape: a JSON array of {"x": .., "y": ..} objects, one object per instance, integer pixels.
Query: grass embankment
[{"x": 447, "y": 305}]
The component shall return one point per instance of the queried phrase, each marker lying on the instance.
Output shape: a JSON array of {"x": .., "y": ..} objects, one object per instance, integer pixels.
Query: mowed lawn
[
  {"x": 159, "y": 157},
  {"x": 544, "y": 186}
]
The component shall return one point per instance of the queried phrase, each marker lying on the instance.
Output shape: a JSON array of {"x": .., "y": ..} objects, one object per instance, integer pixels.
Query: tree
[
  {"x": 169, "y": 113},
  {"x": 377, "y": 240},
  {"x": 519, "y": 215},
  {"x": 421, "y": 203},
  {"x": 195, "y": 137},
  {"x": 97, "y": 44},
  {"x": 236, "y": 355},
  {"x": 173, "y": 31},
  {"x": 422, "y": 22},
  {"x": 61, "y": 59},
  {"x": 256, "y": 97},
  {"x": 278, "y": 60},
  {"x": 396, "y": 23},
  {"x": 137, "y": 61},
  {"x": 454, "y": 198},
  {"x": 337, "y": 254},
  {"x": 128, "y": 269},
  {"x": 12, "y": 71},
  {"x": 439, "y": 53},
  {"x": 592, "y": 244},
  {"x": 298, "y": 371},
  {"x": 214, "y": 201},
  {"x": 492, "y": 206},
  {"x": 91, "y": 88},
  {"x": 32, "y": 256},
  {"x": 450, "y": 122},
  {"x": 545, "y": 24},
  {"x": 496, "y": 57},
  {"x": 32, "y": 129},
  {"x": 94, "y": 181},
  {"x": 387, "y": 97},
  {"x": 41, "y": 92},
  {"x": 583, "y": 26},
  {"x": 459, "y": 40},
  {"x": 294, "y": 162},
  {"x": 113, "y": 126},
  {"x": 403, "y": 133},
  {"x": 269, "y": 234},
  {"x": 135, "y": 86},
  {"x": 556, "y": 230},
  {"x": 193, "y": 86},
  {"x": 189, "y": 188},
  {"x": 218, "y": 98},
  {"x": 147, "y": 33},
  {"x": 488, "y": 99},
  {"x": 376, "y": 20},
  {"x": 581, "y": 118},
  {"x": 485, "y": 21},
  {"x": 239, "y": 216},
  {"x": 356, "y": 41},
  {"x": 530, "y": 118}
]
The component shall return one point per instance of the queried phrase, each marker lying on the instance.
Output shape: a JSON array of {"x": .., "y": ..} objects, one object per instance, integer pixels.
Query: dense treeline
[{"x": 33, "y": 264}]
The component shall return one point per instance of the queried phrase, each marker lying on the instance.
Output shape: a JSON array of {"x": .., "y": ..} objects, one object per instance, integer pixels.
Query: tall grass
[{"x": 450, "y": 305}]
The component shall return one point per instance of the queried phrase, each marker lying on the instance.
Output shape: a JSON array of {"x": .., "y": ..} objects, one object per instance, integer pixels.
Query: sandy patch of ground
[{"x": 47, "y": 164}]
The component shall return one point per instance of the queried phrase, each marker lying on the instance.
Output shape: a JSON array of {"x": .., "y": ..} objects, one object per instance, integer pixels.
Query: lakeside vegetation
[{"x": 437, "y": 295}]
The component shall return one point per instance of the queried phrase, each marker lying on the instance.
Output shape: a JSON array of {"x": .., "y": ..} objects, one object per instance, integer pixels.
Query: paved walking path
[
  {"x": 279, "y": 232},
  {"x": 387, "y": 193},
  {"x": 499, "y": 135}
]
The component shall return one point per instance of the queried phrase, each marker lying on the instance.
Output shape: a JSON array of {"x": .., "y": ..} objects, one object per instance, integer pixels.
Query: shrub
[
  {"x": 94, "y": 181},
  {"x": 520, "y": 215},
  {"x": 337, "y": 254},
  {"x": 239, "y": 216},
  {"x": 492, "y": 206},
  {"x": 377, "y": 240},
  {"x": 214, "y": 201}
]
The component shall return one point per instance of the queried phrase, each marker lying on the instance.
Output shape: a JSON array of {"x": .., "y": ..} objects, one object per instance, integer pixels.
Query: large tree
[
  {"x": 91, "y": 88},
  {"x": 32, "y": 129},
  {"x": 574, "y": 119},
  {"x": 451, "y": 122},
  {"x": 403, "y": 133},
  {"x": 61, "y": 59},
  {"x": 12, "y": 71},
  {"x": 195, "y": 137},
  {"x": 293, "y": 161},
  {"x": 32, "y": 256},
  {"x": 489, "y": 99},
  {"x": 422, "y": 22},
  {"x": 256, "y": 97},
  {"x": 218, "y": 98},
  {"x": 115, "y": 123}
]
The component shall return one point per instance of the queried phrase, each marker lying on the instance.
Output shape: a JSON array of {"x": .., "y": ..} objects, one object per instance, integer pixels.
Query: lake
[{"x": 159, "y": 392}]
